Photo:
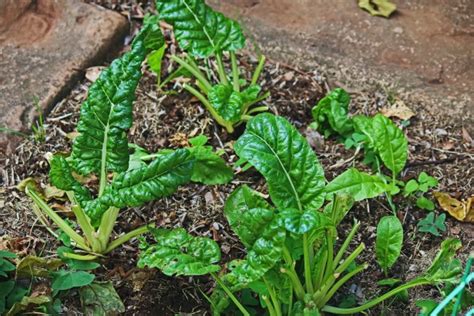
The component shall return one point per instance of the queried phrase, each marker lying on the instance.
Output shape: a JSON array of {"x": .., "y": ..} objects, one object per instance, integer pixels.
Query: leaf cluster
[
  {"x": 206, "y": 36},
  {"x": 101, "y": 150},
  {"x": 291, "y": 264}
]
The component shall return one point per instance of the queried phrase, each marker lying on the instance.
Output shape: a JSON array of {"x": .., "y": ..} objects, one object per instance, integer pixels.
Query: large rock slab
[
  {"x": 427, "y": 46},
  {"x": 45, "y": 45}
]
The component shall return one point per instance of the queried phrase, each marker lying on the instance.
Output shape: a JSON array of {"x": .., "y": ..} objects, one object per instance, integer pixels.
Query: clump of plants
[
  {"x": 292, "y": 264},
  {"x": 206, "y": 36},
  {"x": 22, "y": 286},
  {"x": 101, "y": 150}
]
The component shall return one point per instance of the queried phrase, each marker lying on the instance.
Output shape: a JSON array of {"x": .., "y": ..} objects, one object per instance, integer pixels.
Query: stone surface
[
  {"x": 45, "y": 46},
  {"x": 426, "y": 46}
]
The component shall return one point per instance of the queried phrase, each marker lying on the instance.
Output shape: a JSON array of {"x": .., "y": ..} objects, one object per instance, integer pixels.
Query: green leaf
[
  {"x": 433, "y": 225},
  {"x": 390, "y": 142},
  {"x": 444, "y": 266},
  {"x": 410, "y": 187},
  {"x": 64, "y": 280},
  {"x": 178, "y": 253},
  {"x": 265, "y": 253},
  {"x": 200, "y": 30},
  {"x": 5, "y": 289},
  {"x": 154, "y": 60},
  {"x": 359, "y": 185},
  {"x": 209, "y": 167},
  {"x": 247, "y": 213},
  {"x": 363, "y": 125},
  {"x": 17, "y": 294},
  {"x": 427, "y": 306},
  {"x": 26, "y": 302},
  {"x": 227, "y": 102},
  {"x": 389, "y": 241},
  {"x": 426, "y": 182},
  {"x": 425, "y": 203},
  {"x": 32, "y": 266},
  {"x": 280, "y": 282},
  {"x": 135, "y": 159},
  {"x": 331, "y": 113},
  {"x": 135, "y": 187},
  {"x": 106, "y": 115},
  {"x": 60, "y": 175},
  {"x": 338, "y": 208},
  {"x": 379, "y": 7},
  {"x": 100, "y": 298},
  {"x": 299, "y": 223},
  {"x": 283, "y": 156}
]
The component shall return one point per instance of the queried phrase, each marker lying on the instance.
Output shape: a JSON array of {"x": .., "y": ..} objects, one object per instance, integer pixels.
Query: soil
[{"x": 438, "y": 145}]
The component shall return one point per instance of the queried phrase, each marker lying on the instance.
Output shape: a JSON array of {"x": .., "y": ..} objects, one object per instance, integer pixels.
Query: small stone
[
  {"x": 440, "y": 132},
  {"x": 398, "y": 30}
]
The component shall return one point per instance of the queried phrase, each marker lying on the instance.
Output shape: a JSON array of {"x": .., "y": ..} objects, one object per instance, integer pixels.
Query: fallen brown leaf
[
  {"x": 93, "y": 73},
  {"x": 398, "y": 109},
  {"x": 461, "y": 210}
]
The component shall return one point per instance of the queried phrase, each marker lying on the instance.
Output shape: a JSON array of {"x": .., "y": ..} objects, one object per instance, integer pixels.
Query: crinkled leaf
[
  {"x": 200, "y": 30},
  {"x": 460, "y": 210},
  {"x": 64, "y": 280},
  {"x": 299, "y": 222},
  {"x": 209, "y": 167},
  {"x": 279, "y": 281},
  {"x": 262, "y": 255},
  {"x": 135, "y": 187},
  {"x": 106, "y": 115},
  {"x": 378, "y": 7},
  {"x": 389, "y": 241},
  {"x": 278, "y": 151},
  {"x": 26, "y": 303},
  {"x": 179, "y": 253},
  {"x": 247, "y": 213},
  {"x": 390, "y": 142},
  {"x": 445, "y": 267},
  {"x": 227, "y": 102},
  {"x": 32, "y": 266},
  {"x": 359, "y": 185},
  {"x": 331, "y": 114},
  {"x": 60, "y": 175},
  {"x": 100, "y": 298}
]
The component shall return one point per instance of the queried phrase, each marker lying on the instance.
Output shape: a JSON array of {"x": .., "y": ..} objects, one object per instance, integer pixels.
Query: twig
[{"x": 430, "y": 162}]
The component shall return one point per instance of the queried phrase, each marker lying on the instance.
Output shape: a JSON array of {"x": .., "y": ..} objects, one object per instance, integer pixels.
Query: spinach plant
[
  {"x": 203, "y": 33},
  {"x": 382, "y": 141},
  {"x": 102, "y": 149},
  {"x": 292, "y": 261}
]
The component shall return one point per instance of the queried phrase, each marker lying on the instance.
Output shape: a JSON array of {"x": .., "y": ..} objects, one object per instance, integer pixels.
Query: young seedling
[{"x": 206, "y": 35}]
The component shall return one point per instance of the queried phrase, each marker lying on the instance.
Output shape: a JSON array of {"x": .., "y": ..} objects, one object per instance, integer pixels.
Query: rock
[{"x": 45, "y": 46}]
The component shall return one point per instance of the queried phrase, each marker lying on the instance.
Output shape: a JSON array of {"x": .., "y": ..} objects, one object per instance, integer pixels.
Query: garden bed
[{"x": 438, "y": 145}]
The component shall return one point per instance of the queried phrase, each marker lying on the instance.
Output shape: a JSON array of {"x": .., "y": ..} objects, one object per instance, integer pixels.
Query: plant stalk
[
  {"x": 221, "y": 69},
  {"x": 230, "y": 294},
  {"x": 355, "y": 310},
  {"x": 194, "y": 71},
  {"x": 123, "y": 239},
  {"x": 235, "y": 72},
  {"x": 307, "y": 266},
  {"x": 258, "y": 70}
]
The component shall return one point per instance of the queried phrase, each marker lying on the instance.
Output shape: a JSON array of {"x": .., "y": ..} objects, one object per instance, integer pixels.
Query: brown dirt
[{"x": 437, "y": 146}]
